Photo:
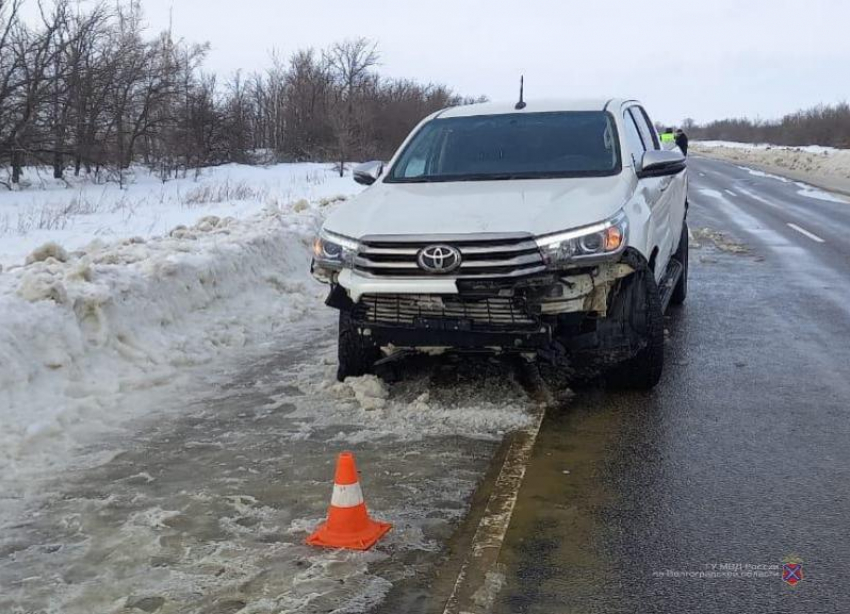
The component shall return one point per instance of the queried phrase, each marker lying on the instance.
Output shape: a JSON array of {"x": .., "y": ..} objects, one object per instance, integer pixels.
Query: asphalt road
[{"x": 739, "y": 459}]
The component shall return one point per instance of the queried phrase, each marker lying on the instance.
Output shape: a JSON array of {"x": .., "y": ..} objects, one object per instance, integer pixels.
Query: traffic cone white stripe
[
  {"x": 347, "y": 495},
  {"x": 348, "y": 524}
]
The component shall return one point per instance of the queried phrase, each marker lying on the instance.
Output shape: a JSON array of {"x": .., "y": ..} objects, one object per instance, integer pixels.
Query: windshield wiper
[
  {"x": 420, "y": 179},
  {"x": 469, "y": 177},
  {"x": 489, "y": 176}
]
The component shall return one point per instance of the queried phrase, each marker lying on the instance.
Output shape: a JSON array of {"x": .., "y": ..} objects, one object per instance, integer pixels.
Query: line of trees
[
  {"x": 825, "y": 125},
  {"x": 89, "y": 91}
]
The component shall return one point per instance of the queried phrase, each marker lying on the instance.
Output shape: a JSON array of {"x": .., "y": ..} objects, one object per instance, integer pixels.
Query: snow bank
[
  {"x": 815, "y": 149},
  {"x": 824, "y": 166},
  {"x": 78, "y": 334},
  {"x": 84, "y": 327}
]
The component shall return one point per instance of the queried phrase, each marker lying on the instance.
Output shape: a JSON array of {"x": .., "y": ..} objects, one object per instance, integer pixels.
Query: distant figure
[
  {"x": 668, "y": 139},
  {"x": 682, "y": 141}
]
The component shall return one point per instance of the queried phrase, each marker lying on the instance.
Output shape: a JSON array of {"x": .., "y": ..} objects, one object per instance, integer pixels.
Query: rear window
[{"x": 511, "y": 146}]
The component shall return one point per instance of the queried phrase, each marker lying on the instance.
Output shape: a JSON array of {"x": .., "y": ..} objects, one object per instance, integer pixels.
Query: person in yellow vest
[{"x": 668, "y": 139}]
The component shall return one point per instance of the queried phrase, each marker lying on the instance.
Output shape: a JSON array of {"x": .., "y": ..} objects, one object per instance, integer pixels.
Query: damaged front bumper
[{"x": 530, "y": 314}]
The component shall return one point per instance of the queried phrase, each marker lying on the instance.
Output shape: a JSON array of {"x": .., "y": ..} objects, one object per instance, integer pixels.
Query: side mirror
[
  {"x": 368, "y": 172},
  {"x": 661, "y": 163}
]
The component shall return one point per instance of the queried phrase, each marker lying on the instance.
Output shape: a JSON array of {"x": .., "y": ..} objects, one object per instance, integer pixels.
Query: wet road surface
[{"x": 738, "y": 461}]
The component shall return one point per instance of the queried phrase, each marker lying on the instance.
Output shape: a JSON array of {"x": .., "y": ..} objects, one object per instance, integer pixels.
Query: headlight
[
  {"x": 332, "y": 250},
  {"x": 594, "y": 242}
]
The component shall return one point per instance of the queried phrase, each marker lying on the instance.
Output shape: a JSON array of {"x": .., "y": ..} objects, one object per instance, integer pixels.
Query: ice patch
[
  {"x": 154, "y": 518},
  {"x": 366, "y": 409},
  {"x": 143, "y": 476},
  {"x": 818, "y": 194},
  {"x": 711, "y": 193},
  {"x": 369, "y": 391},
  {"x": 764, "y": 175},
  {"x": 804, "y": 189}
]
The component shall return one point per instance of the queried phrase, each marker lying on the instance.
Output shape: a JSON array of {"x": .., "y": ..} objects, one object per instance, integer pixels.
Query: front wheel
[
  {"x": 357, "y": 354},
  {"x": 643, "y": 371}
]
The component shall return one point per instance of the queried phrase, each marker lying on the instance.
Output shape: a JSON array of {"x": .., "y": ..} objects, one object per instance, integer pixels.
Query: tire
[
  {"x": 356, "y": 354},
  {"x": 643, "y": 371},
  {"x": 680, "y": 292}
]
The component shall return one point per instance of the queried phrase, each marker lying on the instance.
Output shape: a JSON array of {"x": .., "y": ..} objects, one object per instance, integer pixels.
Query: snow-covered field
[
  {"x": 814, "y": 149},
  {"x": 824, "y": 166},
  {"x": 113, "y": 291},
  {"x": 75, "y": 212}
]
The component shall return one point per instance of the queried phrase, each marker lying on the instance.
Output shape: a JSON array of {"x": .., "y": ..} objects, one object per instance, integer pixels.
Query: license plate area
[{"x": 459, "y": 324}]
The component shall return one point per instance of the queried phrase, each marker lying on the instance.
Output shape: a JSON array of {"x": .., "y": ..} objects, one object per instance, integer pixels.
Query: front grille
[
  {"x": 483, "y": 256},
  {"x": 425, "y": 309}
]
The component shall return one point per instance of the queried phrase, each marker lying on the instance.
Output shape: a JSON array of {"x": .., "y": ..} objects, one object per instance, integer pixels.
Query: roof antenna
[{"x": 521, "y": 104}]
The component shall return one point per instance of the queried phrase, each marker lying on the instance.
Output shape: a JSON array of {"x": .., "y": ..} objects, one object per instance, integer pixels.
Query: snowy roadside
[
  {"x": 89, "y": 325},
  {"x": 207, "y": 510},
  {"x": 825, "y": 167},
  {"x": 75, "y": 212},
  {"x": 169, "y": 414},
  {"x": 813, "y": 149}
]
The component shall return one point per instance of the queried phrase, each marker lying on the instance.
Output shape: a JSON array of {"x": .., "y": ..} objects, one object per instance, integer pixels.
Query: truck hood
[{"x": 536, "y": 206}]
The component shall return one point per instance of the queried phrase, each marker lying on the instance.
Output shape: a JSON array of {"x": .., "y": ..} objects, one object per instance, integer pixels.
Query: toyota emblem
[{"x": 438, "y": 259}]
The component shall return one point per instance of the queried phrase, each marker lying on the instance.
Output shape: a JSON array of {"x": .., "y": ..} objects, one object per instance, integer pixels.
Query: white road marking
[
  {"x": 481, "y": 560},
  {"x": 730, "y": 192},
  {"x": 803, "y": 231}
]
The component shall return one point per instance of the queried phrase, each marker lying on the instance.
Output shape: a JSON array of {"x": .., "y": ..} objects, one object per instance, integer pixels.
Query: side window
[
  {"x": 650, "y": 137},
  {"x": 655, "y": 138},
  {"x": 417, "y": 162},
  {"x": 633, "y": 139}
]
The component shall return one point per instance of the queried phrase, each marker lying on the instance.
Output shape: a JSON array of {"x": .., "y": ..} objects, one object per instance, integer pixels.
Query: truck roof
[{"x": 532, "y": 106}]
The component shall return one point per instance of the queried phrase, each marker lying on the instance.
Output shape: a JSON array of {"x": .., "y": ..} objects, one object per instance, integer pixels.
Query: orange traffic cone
[{"x": 348, "y": 524}]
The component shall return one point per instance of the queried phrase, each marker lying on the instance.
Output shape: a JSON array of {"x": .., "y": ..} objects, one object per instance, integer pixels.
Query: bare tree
[
  {"x": 90, "y": 88},
  {"x": 35, "y": 54},
  {"x": 826, "y": 125},
  {"x": 350, "y": 63},
  {"x": 9, "y": 66}
]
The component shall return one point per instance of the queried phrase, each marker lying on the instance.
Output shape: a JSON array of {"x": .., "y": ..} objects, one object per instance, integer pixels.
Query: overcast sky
[{"x": 705, "y": 59}]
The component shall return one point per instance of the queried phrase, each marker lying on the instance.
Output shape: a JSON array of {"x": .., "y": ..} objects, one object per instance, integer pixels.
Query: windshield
[{"x": 513, "y": 146}]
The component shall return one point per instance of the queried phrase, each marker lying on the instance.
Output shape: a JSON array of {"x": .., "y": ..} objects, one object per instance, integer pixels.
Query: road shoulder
[{"x": 837, "y": 184}]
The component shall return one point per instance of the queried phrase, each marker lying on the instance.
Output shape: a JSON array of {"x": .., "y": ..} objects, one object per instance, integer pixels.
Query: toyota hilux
[{"x": 555, "y": 230}]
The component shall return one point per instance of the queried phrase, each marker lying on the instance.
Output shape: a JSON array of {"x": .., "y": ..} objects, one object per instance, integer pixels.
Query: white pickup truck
[{"x": 552, "y": 229}]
